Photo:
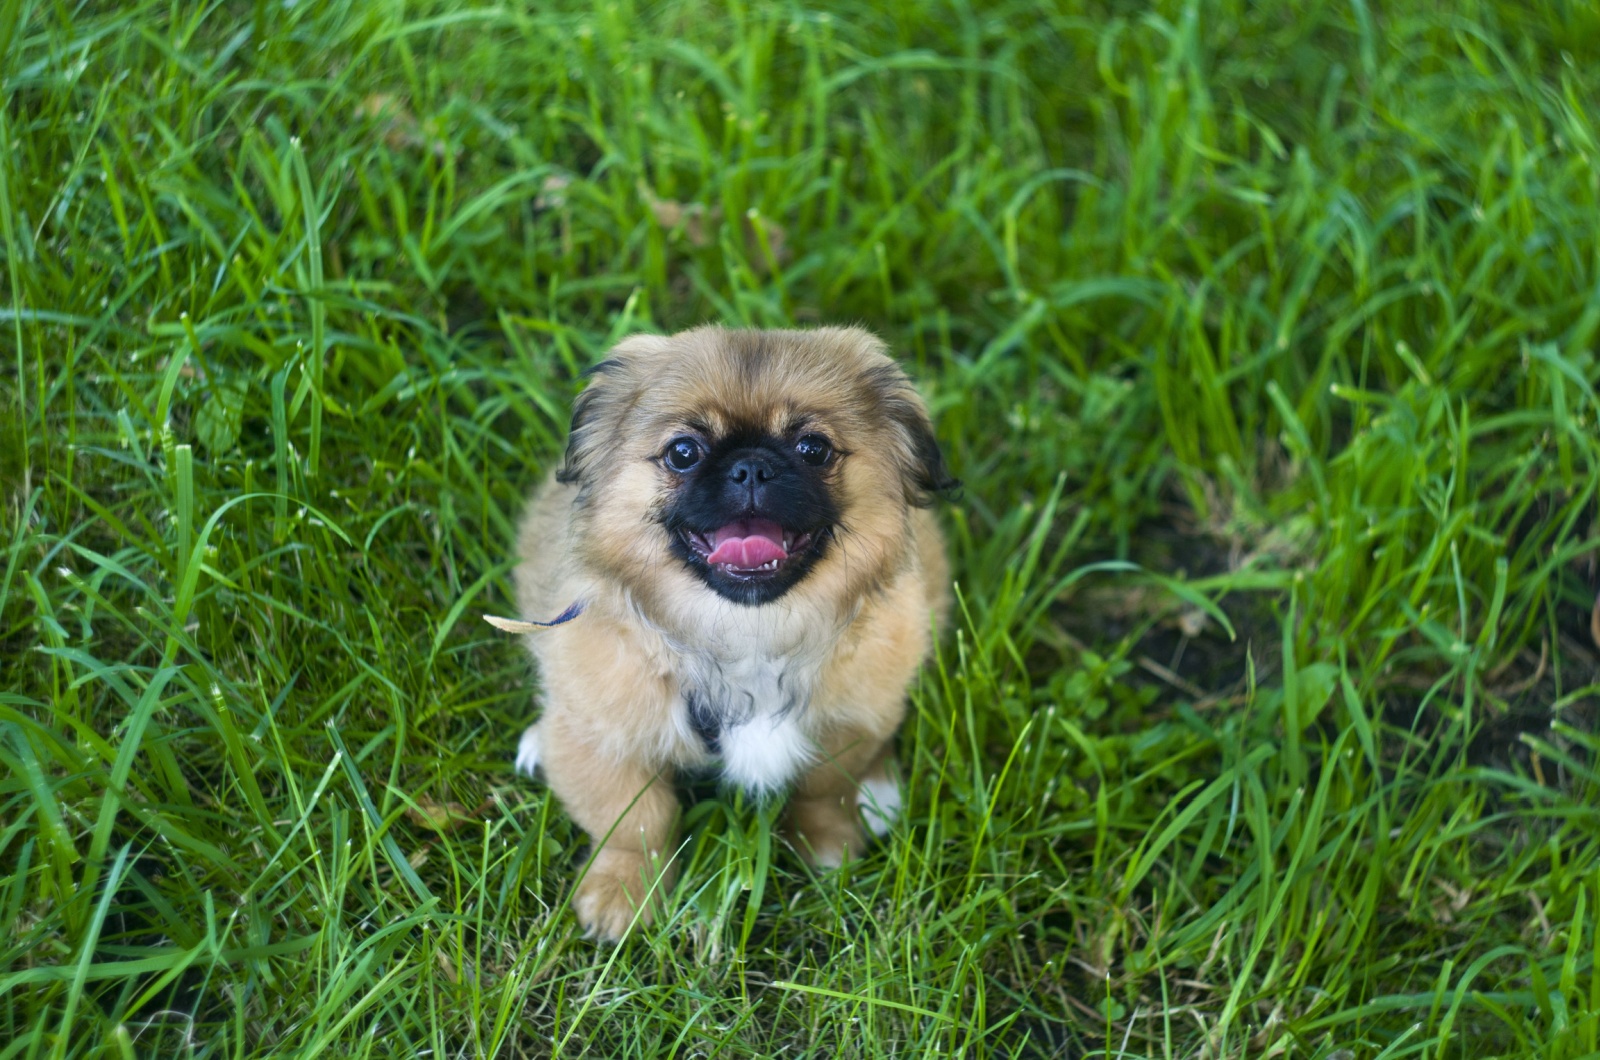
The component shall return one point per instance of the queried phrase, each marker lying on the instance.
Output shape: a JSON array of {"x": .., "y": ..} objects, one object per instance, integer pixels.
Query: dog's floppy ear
[
  {"x": 931, "y": 478},
  {"x": 922, "y": 468},
  {"x": 598, "y": 412},
  {"x": 581, "y": 434}
]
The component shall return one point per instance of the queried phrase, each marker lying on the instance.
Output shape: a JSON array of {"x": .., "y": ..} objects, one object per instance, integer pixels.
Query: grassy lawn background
[{"x": 1262, "y": 335}]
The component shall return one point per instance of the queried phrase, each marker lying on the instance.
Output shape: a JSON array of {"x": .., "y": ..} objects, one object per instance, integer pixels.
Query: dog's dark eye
[
  {"x": 682, "y": 453},
  {"x": 814, "y": 449}
]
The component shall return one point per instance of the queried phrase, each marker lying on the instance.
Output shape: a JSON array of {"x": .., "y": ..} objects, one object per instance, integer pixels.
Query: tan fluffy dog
[{"x": 742, "y": 522}]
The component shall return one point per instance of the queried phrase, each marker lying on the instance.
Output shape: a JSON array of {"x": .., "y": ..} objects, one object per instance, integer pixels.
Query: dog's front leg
[
  {"x": 855, "y": 776},
  {"x": 630, "y": 813}
]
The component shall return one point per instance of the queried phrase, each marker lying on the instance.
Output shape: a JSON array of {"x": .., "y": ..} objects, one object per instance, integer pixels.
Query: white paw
[
  {"x": 528, "y": 750},
  {"x": 879, "y": 799}
]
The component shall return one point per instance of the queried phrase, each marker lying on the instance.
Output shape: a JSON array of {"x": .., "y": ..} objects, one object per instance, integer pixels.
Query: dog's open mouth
[{"x": 749, "y": 548}]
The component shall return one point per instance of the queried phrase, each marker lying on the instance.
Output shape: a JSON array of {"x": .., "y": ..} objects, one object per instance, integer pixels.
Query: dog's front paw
[
  {"x": 615, "y": 893},
  {"x": 825, "y": 831}
]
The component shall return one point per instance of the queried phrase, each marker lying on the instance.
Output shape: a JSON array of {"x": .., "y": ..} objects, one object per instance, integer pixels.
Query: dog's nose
[{"x": 752, "y": 470}]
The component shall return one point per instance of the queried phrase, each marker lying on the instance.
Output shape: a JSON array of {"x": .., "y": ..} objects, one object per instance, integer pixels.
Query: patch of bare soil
[
  {"x": 1188, "y": 658},
  {"x": 1177, "y": 648}
]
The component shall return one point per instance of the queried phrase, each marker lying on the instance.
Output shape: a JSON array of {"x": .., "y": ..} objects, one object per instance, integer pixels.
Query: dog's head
[{"x": 754, "y": 464}]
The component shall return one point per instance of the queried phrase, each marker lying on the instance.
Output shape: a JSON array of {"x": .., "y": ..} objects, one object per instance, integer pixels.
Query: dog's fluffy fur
[{"x": 787, "y": 674}]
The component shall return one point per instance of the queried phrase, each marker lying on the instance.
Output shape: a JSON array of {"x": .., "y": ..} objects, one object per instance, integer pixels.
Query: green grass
[{"x": 1263, "y": 336}]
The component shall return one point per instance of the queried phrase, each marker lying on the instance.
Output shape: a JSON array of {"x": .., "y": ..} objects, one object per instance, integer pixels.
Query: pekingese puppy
[{"x": 740, "y": 529}]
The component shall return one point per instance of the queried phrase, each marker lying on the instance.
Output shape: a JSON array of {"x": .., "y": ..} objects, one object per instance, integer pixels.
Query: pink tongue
[{"x": 748, "y": 544}]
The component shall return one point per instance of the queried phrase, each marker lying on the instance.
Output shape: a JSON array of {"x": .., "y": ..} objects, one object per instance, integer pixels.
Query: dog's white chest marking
[
  {"x": 749, "y": 712},
  {"x": 765, "y": 753}
]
